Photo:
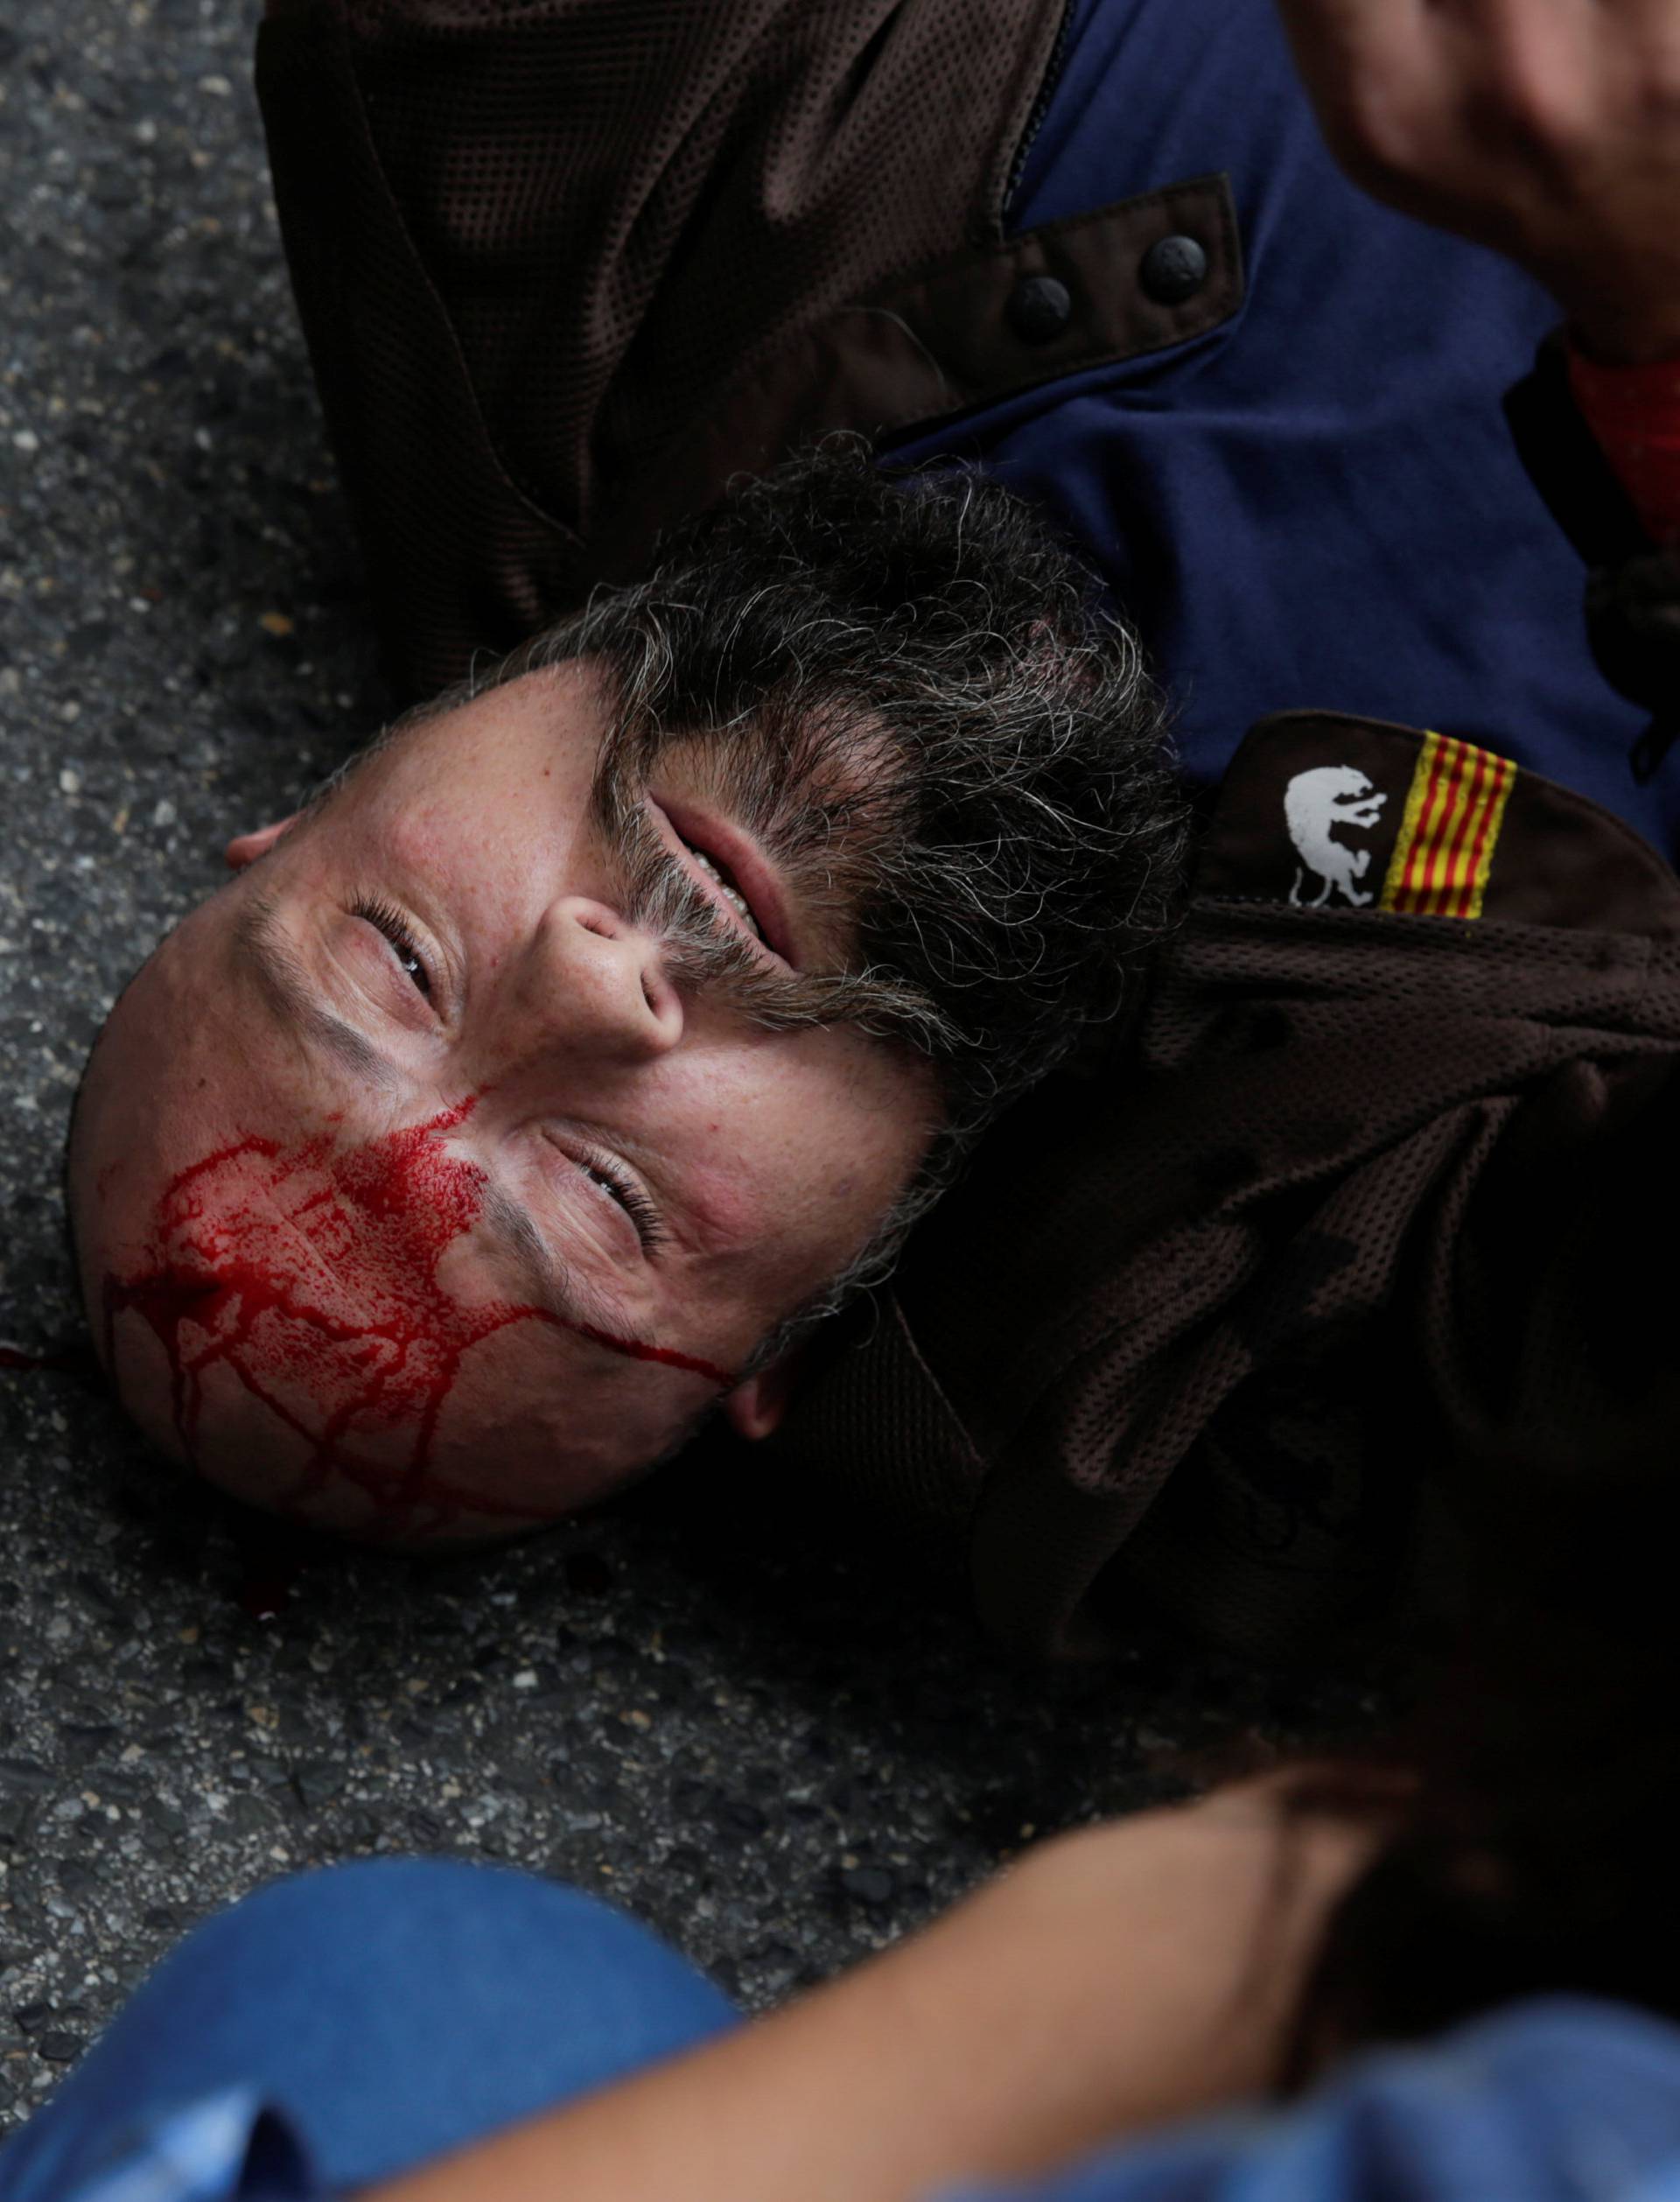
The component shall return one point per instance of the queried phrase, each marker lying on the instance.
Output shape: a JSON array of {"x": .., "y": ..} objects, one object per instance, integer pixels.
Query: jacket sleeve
[{"x": 564, "y": 269}]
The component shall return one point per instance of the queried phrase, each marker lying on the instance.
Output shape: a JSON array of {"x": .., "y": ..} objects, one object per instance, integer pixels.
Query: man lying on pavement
[{"x": 1398, "y": 1086}]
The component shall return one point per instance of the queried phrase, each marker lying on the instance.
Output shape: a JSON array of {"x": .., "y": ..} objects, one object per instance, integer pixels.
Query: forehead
[
  {"x": 347, "y": 1240},
  {"x": 309, "y": 1284}
]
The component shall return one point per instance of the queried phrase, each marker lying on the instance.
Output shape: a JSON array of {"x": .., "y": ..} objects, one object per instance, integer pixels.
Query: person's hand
[{"x": 1549, "y": 129}]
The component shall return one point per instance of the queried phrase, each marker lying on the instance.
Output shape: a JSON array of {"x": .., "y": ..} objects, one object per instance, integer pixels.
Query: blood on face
[{"x": 309, "y": 1273}]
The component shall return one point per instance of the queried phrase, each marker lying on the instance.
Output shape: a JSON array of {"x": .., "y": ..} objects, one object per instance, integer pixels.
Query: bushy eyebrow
[
  {"x": 261, "y": 946},
  {"x": 556, "y": 1287}
]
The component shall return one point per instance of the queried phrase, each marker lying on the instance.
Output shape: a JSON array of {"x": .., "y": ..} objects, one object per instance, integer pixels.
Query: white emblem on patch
[{"x": 1314, "y": 802}]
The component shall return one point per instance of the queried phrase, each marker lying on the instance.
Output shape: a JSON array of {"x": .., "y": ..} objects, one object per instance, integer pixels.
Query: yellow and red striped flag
[{"x": 1454, "y": 809}]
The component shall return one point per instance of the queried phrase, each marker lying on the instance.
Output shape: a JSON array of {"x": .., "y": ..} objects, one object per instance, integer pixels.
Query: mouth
[{"x": 736, "y": 870}]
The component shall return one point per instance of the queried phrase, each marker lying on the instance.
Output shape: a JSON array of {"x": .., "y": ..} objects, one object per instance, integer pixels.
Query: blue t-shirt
[
  {"x": 1319, "y": 503},
  {"x": 1559, "y": 2100},
  {"x": 1553, "y": 2101}
]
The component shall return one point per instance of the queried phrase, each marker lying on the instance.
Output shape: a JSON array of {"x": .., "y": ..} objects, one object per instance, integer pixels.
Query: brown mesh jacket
[
  {"x": 1364, "y": 1194},
  {"x": 566, "y": 265},
  {"x": 1372, "y": 1194}
]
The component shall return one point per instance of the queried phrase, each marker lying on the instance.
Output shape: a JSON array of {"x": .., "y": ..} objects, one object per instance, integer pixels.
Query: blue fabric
[
  {"x": 1554, "y": 2101},
  {"x": 225, "y": 2148},
  {"x": 380, "y": 2013},
  {"x": 337, "y": 2029},
  {"x": 1319, "y": 504}
]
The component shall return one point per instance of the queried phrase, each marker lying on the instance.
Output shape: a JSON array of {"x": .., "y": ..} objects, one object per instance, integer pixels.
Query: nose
[{"x": 596, "y": 984}]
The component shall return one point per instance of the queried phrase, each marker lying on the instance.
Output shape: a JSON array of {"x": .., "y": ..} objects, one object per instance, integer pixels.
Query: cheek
[
  {"x": 815, "y": 1160},
  {"x": 863, "y": 1130},
  {"x": 497, "y": 790},
  {"x": 446, "y": 841}
]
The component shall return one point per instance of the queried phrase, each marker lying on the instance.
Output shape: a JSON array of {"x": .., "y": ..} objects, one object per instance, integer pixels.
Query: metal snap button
[
  {"x": 1173, "y": 270},
  {"x": 1039, "y": 308}
]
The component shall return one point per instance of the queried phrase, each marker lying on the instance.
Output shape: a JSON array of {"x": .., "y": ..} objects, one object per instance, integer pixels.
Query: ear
[
  {"x": 754, "y": 1409},
  {"x": 245, "y": 848}
]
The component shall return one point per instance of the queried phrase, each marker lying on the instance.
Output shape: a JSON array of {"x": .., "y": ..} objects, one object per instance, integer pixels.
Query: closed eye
[
  {"x": 614, "y": 1186},
  {"x": 610, "y": 1180},
  {"x": 386, "y": 918}
]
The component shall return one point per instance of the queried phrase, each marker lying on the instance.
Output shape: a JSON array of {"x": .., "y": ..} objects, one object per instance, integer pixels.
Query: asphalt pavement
[{"x": 770, "y": 1751}]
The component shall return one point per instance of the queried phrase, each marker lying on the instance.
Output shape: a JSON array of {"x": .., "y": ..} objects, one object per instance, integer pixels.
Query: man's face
[{"x": 426, "y": 1184}]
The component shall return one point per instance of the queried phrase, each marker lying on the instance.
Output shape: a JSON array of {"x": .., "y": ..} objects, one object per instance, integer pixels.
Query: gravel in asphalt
[{"x": 775, "y": 1755}]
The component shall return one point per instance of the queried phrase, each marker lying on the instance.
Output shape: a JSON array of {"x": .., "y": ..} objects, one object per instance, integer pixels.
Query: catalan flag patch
[{"x": 1449, "y": 831}]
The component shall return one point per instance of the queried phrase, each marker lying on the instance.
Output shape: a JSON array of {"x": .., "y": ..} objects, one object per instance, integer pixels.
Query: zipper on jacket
[{"x": 1047, "y": 85}]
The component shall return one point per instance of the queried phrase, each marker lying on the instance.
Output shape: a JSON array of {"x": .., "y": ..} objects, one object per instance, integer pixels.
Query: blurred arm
[
  {"x": 1549, "y": 129},
  {"x": 1117, "y": 1978}
]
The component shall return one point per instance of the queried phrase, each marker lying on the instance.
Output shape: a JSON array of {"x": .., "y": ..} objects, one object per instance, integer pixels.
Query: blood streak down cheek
[{"x": 308, "y": 1276}]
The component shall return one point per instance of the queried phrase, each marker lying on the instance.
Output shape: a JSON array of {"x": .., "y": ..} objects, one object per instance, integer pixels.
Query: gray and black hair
[{"x": 1023, "y": 840}]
